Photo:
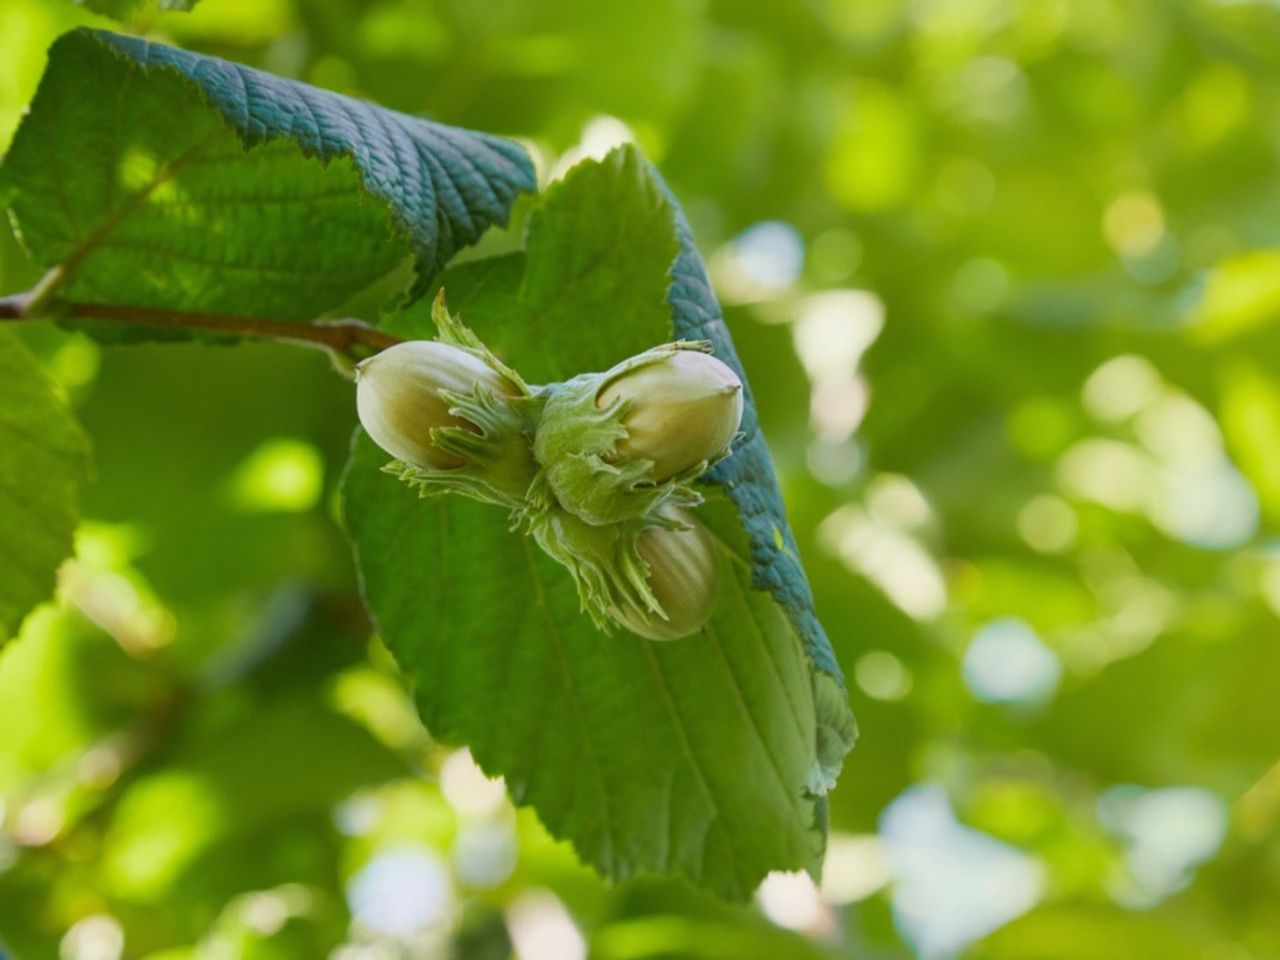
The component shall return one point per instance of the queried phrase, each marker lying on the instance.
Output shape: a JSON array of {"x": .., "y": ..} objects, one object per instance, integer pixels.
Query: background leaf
[
  {"x": 232, "y": 784},
  {"x": 153, "y": 177},
  {"x": 43, "y": 462}
]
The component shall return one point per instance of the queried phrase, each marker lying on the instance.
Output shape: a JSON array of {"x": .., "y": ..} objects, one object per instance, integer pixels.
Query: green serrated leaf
[
  {"x": 553, "y": 321},
  {"x": 748, "y": 479},
  {"x": 153, "y": 177},
  {"x": 709, "y": 756},
  {"x": 748, "y": 476},
  {"x": 43, "y": 461},
  {"x": 689, "y": 757},
  {"x": 588, "y": 290}
]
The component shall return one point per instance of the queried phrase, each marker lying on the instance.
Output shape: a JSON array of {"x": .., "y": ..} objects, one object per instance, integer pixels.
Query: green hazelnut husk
[
  {"x": 619, "y": 445},
  {"x": 597, "y": 469},
  {"x": 656, "y": 578}
]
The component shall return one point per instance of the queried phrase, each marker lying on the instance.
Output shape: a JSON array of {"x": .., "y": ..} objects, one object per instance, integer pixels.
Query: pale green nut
[
  {"x": 399, "y": 401},
  {"x": 622, "y": 444},
  {"x": 682, "y": 579},
  {"x": 449, "y": 418},
  {"x": 680, "y": 411},
  {"x": 596, "y": 469}
]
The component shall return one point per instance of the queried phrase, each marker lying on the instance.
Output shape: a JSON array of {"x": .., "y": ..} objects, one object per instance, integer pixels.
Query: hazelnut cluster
[{"x": 597, "y": 469}]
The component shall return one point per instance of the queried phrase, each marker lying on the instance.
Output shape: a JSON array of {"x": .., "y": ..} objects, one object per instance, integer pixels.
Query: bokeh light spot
[
  {"x": 401, "y": 891},
  {"x": 1007, "y": 663},
  {"x": 1047, "y": 523},
  {"x": 1121, "y": 387},
  {"x": 881, "y": 675},
  {"x": 952, "y": 884},
  {"x": 281, "y": 476},
  {"x": 1168, "y": 833},
  {"x": 542, "y": 929}
]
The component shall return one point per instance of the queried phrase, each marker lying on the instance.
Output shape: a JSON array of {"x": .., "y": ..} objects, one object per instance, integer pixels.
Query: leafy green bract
[
  {"x": 149, "y": 176},
  {"x": 43, "y": 461},
  {"x": 707, "y": 757}
]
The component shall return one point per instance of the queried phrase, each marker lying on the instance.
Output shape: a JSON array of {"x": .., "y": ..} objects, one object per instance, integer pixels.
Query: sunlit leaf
[
  {"x": 148, "y": 176},
  {"x": 707, "y": 757}
]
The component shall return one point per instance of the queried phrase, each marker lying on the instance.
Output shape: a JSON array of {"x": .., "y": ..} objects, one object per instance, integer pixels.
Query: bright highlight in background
[
  {"x": 1168, "y": 834},
  {"x": 467, "y": 788},
  {"x": 791, "y": 900},
  {"x": 768, "y": 257},
  {"x": 855, "y": 867},
  {"x": 541, "y": 929},
  {"x": 401, "y": 892},
  {"x": 952, "y": 884},
  {"x": 1007, "y": 663},
  {"x": 280, "y": 476},
  {"x": 96, "y": 937}
]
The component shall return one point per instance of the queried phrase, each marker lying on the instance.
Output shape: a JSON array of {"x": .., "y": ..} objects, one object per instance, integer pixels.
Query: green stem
[{"x": 350, "y": 338}]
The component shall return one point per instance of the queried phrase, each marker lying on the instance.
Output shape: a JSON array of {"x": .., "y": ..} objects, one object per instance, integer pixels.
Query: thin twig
[
  {"x": 343, "y": 336},
  {"x": 13, "y": 308}
]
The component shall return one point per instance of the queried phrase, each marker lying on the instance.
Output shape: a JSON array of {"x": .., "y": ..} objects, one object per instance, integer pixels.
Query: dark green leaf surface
[
  {"x": 706, "y": 757},
  {"x": 748, "y": 475},
  {"x": 43, "y": 460},
  {"x": 590, "y": 287},
  {"x": 155, "y": 177},
  {"x": 686, "y": 757},
  {"x": 584, "y": 300}
]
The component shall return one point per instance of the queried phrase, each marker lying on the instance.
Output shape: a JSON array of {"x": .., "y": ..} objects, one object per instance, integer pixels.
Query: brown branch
[
  {"x": 13, "y": 308},
  {"x": 344, "y": 336}
]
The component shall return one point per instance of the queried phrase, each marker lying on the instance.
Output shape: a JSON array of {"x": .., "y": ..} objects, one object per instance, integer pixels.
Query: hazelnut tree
[{"x": 560, "y": 460}]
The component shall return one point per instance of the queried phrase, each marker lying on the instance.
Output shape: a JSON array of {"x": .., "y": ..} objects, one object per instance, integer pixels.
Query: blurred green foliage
[{"x": 1002, "y": 275}]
